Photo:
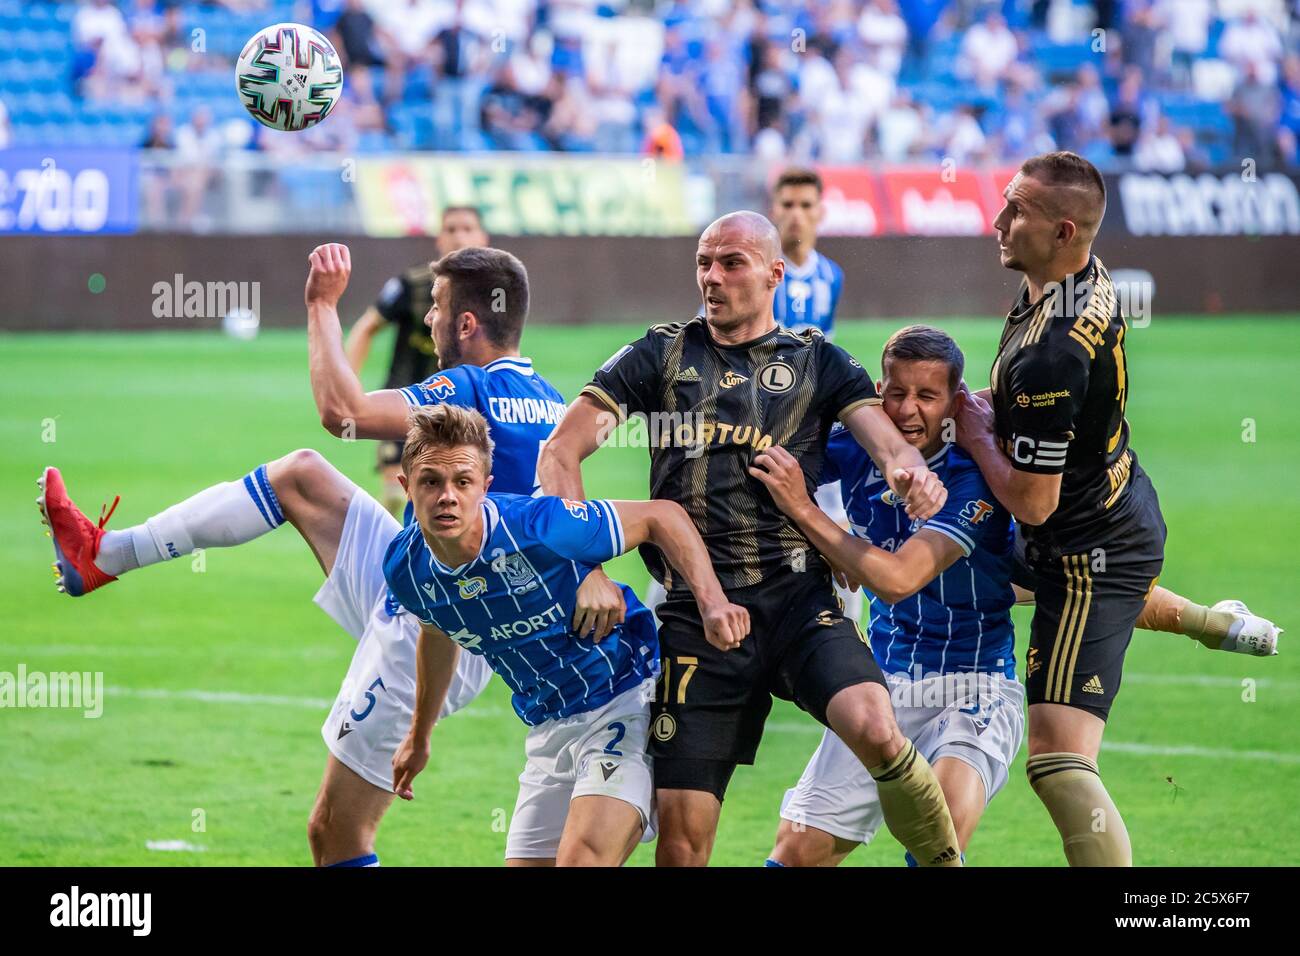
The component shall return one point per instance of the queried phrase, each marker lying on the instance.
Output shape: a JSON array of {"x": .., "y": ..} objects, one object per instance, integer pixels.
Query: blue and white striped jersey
[
  {"x": 960, "y": 621},
  {"x": 514, "y": 603},
  {"x": 521, "y": 407},
  {"x": 808, "y": 295}
]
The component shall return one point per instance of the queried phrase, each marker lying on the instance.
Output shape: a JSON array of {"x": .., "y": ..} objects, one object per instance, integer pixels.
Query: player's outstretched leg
[
  {"x": 911, "y": 799},
  {"x": 302, "y": 487},
  {"x": 1226, "y": 626}
]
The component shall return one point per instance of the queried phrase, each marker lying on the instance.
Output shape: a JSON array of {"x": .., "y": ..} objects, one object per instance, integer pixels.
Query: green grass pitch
[{"x": 219, "y": 679}]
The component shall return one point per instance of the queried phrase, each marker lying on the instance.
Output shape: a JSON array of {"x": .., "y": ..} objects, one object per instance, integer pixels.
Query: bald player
[
  {"x": 740, "y": 383},
  {"x": 1052, "y": 442}
]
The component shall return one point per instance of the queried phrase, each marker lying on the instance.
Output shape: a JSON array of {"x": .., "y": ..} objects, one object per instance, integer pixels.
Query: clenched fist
[
  {"x": 921, "y": 490},
  {"x": 331, "y": 264},
  {"x": 725, "y": 624}
]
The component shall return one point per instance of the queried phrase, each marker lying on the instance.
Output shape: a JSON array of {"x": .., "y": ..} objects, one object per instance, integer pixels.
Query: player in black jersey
[
  {"x": 1053, "y": 443},
  {"x": 403, "y": 303},
  {"x": 717, "y": 390}
]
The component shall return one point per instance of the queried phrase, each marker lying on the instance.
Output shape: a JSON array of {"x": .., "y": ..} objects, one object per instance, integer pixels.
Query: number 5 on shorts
[{"x": 370, "y": 699}]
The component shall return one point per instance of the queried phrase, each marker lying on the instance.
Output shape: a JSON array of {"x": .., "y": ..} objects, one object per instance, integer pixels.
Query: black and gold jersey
[
  {"x": 710, "y": 409},
  {"x": 404, "y": 301},
  {"x": 1060, "y": 385}
]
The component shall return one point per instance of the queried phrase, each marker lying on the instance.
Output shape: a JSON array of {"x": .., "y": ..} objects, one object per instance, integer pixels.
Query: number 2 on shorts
[{"x": 611, "y": 748}]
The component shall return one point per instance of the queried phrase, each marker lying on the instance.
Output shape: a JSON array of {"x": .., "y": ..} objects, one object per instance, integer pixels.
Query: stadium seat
[{"x": 1061, "y": 60}]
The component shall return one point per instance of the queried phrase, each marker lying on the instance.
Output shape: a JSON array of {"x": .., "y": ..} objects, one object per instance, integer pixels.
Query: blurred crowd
[{"x": 1149, "y": 84}]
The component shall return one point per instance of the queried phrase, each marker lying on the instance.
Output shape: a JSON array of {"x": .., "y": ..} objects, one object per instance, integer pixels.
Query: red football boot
[{"x": 76, "y": 537}]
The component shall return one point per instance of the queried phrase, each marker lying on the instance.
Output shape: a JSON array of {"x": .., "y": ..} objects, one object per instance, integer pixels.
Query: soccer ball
[
  {"x": 288, "y": 76},
  {"x": 240, "y": 324}
]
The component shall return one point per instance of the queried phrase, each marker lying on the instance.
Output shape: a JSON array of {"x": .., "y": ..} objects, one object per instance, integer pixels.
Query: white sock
[{"x": 218, "y": 517}]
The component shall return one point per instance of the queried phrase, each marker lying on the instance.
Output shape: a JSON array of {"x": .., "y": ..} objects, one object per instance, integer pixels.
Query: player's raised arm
[
  {"x": 345, "y": 408},
  {"x": 666, "y": 525},
  {"x": 1030, "y": 496},
  {"x": 902, "y": 465},
  {"x": 891, "y": 576},
  {"x": 435, "y": 666}
]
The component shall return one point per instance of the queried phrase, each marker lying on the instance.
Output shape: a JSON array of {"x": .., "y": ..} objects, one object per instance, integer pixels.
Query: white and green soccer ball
[{"x": 288, "y": 76}]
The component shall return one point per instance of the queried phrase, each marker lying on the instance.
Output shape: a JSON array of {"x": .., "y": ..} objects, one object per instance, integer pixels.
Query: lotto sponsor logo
[{"x": 472, "y": 587}]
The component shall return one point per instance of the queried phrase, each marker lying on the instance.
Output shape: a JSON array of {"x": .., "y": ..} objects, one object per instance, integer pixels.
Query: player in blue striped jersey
[
  {"x": 479, "y": 298},
  {"x": 480, "y": 306},
  {"x": 940, "y": 612},
  {"x": 498, "y": 576},
  {"x": 810, "y": 291}
]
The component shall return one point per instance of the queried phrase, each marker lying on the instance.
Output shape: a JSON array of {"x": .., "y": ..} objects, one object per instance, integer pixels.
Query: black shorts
[
  {"x": 1086, "y": 601},
  {"x": 388, "y": 453},
  {"x": 711, "y": 705}
]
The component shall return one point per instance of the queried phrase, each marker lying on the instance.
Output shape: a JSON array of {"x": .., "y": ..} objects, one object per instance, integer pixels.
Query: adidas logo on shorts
[{"x": 1093, "y": 686}]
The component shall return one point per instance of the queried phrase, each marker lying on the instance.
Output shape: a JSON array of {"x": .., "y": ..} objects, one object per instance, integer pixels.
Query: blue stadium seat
[
  {"x": 1057, "y": 60},
  {"x": 372, "y": 142},
  {"x": 1217, "y": 27},
  {"x": 419, "y": 86}
]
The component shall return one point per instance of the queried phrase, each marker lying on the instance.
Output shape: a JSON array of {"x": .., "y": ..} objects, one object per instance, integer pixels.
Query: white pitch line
[
  {"x": 174, "y": 846},
  {"x": 1210, "y": 680},
  {"x": 179, "y": 650},
  {"x": 219, "y": 697},
  {"x": 235, "y": 697},
  {"x": 1214, "y": 753},
  {"x": 811, "y": 727}
]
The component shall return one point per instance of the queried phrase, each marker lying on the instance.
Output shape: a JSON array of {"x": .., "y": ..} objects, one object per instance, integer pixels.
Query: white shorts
[
  {"x": 602, "y": 752},
  {"x": 837, "y": 795},
  {"x": 373, "y": 710}
]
